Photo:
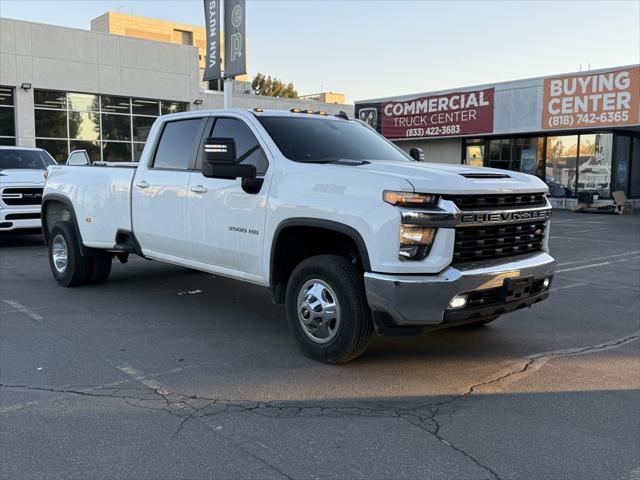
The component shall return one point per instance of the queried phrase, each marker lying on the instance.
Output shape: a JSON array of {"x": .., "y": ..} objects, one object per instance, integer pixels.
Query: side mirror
[
  {"x": 220, "y": 150},
  {"x": 78, "y": 158},
  {"x": 228, "y": 171},
  {"x": 417, "y": 154}
]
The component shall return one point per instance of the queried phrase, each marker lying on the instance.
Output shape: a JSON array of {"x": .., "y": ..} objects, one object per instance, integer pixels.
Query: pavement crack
[{"x": 425, "y": 416}]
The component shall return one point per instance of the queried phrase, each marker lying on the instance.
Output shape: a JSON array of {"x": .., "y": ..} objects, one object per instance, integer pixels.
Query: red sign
[{"x": 453, "y": 114}]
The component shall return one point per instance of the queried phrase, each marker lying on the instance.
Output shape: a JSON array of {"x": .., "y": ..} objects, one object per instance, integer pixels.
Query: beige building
[
  {"x": 327, "y": 97},
  {"x": 159, "y": 30}
]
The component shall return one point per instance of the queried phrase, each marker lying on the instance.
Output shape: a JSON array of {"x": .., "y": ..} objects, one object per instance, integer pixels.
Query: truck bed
[{"x": 101, "y": 197}]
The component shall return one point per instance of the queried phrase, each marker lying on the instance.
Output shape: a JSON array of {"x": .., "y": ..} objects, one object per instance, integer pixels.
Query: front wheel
[{"x": 327, "y": 309}]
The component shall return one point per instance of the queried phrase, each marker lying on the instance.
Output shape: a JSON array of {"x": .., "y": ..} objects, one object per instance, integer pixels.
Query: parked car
[
  {"x": 348, "y": 231},
  {"x": 22, "y": 179}
]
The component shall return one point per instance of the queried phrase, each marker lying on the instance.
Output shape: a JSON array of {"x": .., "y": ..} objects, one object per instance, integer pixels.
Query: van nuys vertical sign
[
  {"x": 212, "y": 69},
  {"x": 449, "y": 114}
]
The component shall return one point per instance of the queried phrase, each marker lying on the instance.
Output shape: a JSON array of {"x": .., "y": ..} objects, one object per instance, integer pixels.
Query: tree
[{"x": 273, "y": 87}]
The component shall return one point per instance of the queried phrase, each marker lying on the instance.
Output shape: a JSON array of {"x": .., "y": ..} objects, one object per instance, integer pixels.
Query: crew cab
[
  {"x": 22, "y": 178},
  {"x": 348, "y": 231}
]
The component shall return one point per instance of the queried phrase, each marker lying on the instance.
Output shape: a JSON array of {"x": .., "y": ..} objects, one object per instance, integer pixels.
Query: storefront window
[
  {"x": 145, "y": 107},
  {"x": 92, "y": 148},
  {"x": 7, "y": 116},
  {"x": 58, "y": 149},
  {"x": 101, "y": 124},
  {"x": 474, "y": 152},
  {"x": 560, "y": 170},
  {"x": 594, "y": 164},
  {"x": 84, "y": 125},
  {"x": 622, "y": 162},
  {"x": 83, "y": 102},
  {"x": 519, "y": 154},
  {"x": 116, "y": 152}
]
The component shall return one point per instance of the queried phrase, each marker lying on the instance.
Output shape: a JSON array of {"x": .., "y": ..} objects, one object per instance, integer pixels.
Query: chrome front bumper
[{"x": 422, "y": 300}]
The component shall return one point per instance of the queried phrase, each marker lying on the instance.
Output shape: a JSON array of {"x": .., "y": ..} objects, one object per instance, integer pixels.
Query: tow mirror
[
  {"x": 417, "y": 154},
  {"x": 228, "y": 171},
  {"x": 78, "y": 158},
  {"x": 220, "y": 150},
  {"x": 220, "y": 161}
]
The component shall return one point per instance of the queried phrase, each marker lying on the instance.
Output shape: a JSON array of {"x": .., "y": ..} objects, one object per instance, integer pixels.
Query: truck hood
[
  {"x": 26, "y": 175},
  {"x": 448, "y": 178}
]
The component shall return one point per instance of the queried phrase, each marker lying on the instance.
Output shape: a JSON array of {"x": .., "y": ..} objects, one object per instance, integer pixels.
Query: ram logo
[{"x": 369, "y": 115}]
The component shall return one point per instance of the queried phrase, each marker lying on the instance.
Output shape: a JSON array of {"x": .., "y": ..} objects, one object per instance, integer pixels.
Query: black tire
[
  {"x": 353, "y": 333},
  {"x": 100, "y": 269},
  {"x": 76, "y": 271}
]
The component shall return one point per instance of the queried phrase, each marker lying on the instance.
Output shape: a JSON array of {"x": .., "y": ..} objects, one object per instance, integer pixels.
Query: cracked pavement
[{"x": 130, "y": 379}]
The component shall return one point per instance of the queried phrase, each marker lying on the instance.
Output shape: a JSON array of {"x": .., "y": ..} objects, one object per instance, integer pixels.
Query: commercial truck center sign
[
  {"x": 592, "y": 100},
  {"x": 459, "y": 113}
]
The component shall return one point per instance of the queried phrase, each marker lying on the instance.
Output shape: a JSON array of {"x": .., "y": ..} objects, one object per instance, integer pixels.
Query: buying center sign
[
  {"x": 459, "y": 113},
  {"x": 592, "y": 100}
]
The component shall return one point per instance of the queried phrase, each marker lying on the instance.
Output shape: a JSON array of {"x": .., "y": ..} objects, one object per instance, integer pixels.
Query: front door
[
  {"x": 226, "y": 221},
  {"x": 159, "y": 199}
]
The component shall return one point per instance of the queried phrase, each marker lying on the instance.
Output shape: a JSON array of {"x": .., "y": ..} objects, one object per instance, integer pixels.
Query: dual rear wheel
[{"x": 69, "y": 267}]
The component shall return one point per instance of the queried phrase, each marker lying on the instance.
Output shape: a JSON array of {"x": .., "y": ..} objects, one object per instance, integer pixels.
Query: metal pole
[{"x": 228, "y": 93}]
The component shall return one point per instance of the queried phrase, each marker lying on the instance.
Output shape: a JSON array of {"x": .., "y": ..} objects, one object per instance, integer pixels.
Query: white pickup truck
[
  {"x": 22, "y": 177},
  {"x": 349, "y": 232}
]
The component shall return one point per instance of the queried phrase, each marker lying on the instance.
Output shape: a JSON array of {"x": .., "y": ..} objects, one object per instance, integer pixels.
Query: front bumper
[
  {"x": 421, "y": 301},
  {"x": 20, "y": 218}
]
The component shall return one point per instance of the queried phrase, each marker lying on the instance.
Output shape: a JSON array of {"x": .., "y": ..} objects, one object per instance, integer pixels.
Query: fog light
[
  {"x": 459, "y": 301},
  {"x": 546, "y": 282}
]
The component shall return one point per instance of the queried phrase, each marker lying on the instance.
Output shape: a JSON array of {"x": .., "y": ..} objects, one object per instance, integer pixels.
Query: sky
[{"x": 376, "y": 48}]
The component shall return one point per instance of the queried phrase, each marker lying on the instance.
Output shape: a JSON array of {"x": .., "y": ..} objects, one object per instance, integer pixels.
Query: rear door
[
  {"x": 226, "y": 220},
  {"x": 159, "y": 198}
]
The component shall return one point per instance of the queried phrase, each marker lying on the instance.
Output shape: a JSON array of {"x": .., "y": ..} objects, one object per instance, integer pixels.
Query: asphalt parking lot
[{"x": 164, "y": 372}]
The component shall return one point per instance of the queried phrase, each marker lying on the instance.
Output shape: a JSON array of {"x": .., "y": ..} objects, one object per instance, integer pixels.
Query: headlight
[
  {"x": 415, "y": 242},
  {"x": 407, "y": 199}
]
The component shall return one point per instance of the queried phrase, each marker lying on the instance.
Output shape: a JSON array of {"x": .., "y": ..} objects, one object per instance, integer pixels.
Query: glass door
[
  {"x": 560, "y": 168},
  {"x": 594, "y": 164}
]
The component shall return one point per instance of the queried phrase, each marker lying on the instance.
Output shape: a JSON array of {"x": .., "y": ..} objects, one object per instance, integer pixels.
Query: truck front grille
[
  {"x": 497, "y": 202},
  {"x": 22, "y": 196},
  {"x": 485, "y": 242}
]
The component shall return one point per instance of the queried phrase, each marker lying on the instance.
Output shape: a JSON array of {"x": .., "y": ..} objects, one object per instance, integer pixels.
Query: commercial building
[
  {"x": 579, "y": 132},
  {"x": 64, "y": 89},
  {"x": 134, "y": 26}
]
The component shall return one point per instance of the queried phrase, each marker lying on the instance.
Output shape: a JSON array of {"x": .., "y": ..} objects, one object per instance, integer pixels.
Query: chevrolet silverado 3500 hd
[{"x": 347, "y": 231}]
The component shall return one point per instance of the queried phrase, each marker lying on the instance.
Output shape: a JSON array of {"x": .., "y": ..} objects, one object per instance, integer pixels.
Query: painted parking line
[
  {"x": 605, "y": 257},
  {"x": 137, "y": 375},
  {"x": 593, "y": 265},
  {"x": 133, "y": 374},
  {"x": 564, "y": 287},
  {"x": 22, "y": 309},
  {"x": 585, "y": 239}
]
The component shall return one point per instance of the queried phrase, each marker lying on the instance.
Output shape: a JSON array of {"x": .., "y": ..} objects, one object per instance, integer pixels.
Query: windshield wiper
[{"x": 339, "y": 161}]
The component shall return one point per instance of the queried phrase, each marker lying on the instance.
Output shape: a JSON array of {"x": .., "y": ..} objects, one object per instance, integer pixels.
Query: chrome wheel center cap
[{"x": 318, "y": 311}]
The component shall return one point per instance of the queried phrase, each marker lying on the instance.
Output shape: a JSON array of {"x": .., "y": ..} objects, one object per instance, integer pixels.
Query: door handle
[
  {"x": 142, "y": 184},
  {"x": 199, "y": 189}
]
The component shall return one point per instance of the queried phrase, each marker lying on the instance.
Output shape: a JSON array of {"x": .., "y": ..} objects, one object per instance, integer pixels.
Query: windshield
[
  {"x": 25, "y": 159},
  {"x": 322, "y": 140}
]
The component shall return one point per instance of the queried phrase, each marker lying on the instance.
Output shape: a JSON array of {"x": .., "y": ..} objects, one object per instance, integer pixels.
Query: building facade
[
  {"x": 146, "y": 28},
  {"x": 579, "y": 132},
  {"x": 65, "y": 89}
]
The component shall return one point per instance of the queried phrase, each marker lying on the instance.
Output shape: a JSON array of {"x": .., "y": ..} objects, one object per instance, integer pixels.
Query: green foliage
[{"x": 273, "y": 87}]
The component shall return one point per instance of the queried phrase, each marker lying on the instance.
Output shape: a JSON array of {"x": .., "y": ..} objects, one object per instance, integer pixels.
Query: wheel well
[
  {"x": 295, "y": 243},
  {"x": 53, "y": 212}
]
